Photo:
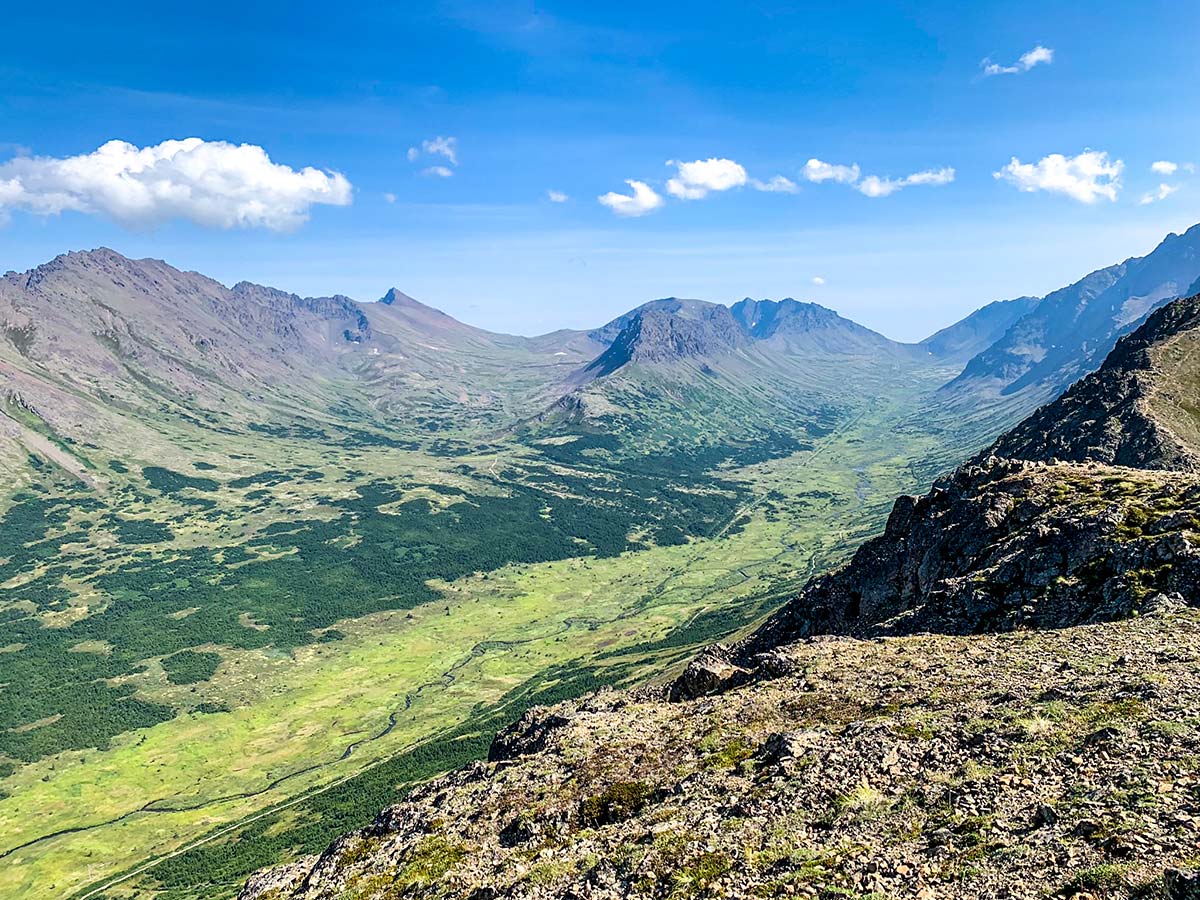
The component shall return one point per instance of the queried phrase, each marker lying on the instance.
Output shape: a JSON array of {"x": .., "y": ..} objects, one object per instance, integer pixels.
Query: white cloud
[
  {"x": 389, "y": 197},
  {"x": 696, "y": 179},
  {"x": 641, "y": 201},
  {"x": 557, "y": 196},
  {"x": 818, "y": 280},
  {"x": 776, "y": 185},
  {"x": 1162, "y": 193},
  {"x": 1037, "y": 56},
  {"x": 1088, "y": 177},
  {"x": 442, "y": 146},
  {"x": 211, "y": 183},
  {"x": 874, "y": 186},
  {"x": 413, "y": 154},
  {"x": 1164, "y": 167},
  {"x": 934, "y": 177},
  {"x": 818, "y": 171},
  {"x": 438, "y": 171}
]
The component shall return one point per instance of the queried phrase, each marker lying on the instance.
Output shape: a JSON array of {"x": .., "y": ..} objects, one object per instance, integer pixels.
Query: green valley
[{"x": 245, "y": 614}]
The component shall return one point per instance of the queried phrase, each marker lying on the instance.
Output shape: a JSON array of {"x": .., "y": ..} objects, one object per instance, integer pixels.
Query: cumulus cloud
[
  {"x": 1088, "y": 177},
  {"x": 211, "y": 183},
  {"x": 776, "y": 185},
  {"x": 438, "y": 171},
  {"x": 557, "y": 196},
  {"x": 1164, "y": 167},
  {"x": 873, "y": 185},
  {"x": 1161, "y": 193},
  {"x": 414, "y": 153},
  {"x": 818, "y": 280},
  {"x": 818, "y": 171},
  {"x": 1039, "y": 55},
  {"x": 696, "y": 179},
  {"x": 643, "y": 200}
]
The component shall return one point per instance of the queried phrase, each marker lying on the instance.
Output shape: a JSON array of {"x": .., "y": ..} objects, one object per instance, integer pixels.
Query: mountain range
[
  {"x": 344, "y": 542},
  {"x": 993, "y": 698},
  {"x": 89, "y": 335}
]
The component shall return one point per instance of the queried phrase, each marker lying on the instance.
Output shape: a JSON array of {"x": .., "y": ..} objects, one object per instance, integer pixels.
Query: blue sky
[{"x": 579, "y": 98}]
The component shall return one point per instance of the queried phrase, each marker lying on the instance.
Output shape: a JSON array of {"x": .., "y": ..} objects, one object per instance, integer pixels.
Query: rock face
[
  {"x": 657, "y": 336},
  {"x": 1009, "y": 544},
  {"x": 708, "y": 673}
]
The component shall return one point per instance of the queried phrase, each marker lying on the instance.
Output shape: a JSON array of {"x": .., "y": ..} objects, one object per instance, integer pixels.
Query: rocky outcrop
[
  {"x": 1008, "y": 544},
  {"x": 708, "y": 673},
  {"x": 530, "y": 733}
]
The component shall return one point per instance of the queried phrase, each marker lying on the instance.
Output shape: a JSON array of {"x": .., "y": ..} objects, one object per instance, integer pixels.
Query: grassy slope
[{"x": 1176, "y": 400}]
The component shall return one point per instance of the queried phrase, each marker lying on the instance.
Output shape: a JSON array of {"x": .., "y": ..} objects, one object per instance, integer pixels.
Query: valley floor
[{"x": 313, "y": 741}]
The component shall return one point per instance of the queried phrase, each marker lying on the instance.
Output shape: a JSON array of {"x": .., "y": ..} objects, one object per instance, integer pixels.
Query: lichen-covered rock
[
  {"x": 529, "y": 733},
  {"x": 709, "y": 672}
]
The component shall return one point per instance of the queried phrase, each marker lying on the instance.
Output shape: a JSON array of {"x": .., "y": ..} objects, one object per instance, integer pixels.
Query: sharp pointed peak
[{"x": 397, "y": 297}]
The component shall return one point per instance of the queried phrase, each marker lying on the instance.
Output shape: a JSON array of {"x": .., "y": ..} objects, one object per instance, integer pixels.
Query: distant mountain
[
  {"x": 690, "y": 376},
  {"x": 673, "y": 306},
  {"x": 1070, "y": 331},
  {"x": 671, "y": 328},
  {"x": 978, "y": 331},
  {"x": 95, "y": 347},
  {"x": 807, "y": 327},
  {"x": 657, "y": 335}
]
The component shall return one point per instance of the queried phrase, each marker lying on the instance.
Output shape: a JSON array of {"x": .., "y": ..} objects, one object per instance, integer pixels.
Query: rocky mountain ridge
[
  {"x": 1071, "y": 330},
  {"x": 978, "y": 331}
]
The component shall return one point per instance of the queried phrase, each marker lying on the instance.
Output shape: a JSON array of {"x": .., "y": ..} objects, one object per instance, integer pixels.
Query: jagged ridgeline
[
  {"x": 994, "y": 698},
  {"x": 341, "y": 543}
]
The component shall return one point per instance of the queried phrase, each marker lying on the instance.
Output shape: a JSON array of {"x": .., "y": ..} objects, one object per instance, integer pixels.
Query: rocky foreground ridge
[{"x": 997, "y": 698}]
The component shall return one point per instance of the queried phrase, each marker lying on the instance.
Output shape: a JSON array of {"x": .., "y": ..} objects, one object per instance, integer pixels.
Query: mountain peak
[
  {"x": 807, "y": 326},
  {"x": 677, "y": 306},
  {"x": 654, "y": 334},
  {"x": 764, "y": 318},
  {"x": 396, "y": 297}
]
